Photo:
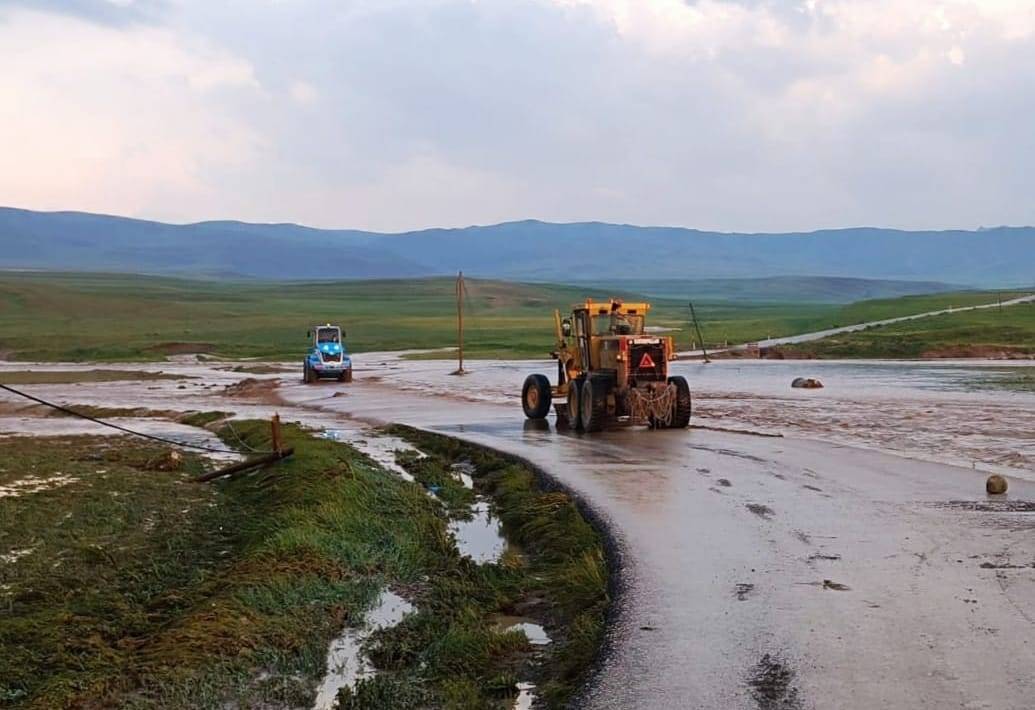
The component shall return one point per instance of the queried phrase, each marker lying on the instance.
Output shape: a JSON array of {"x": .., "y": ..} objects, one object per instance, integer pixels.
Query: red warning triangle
[{"x": 646, "y": 363}]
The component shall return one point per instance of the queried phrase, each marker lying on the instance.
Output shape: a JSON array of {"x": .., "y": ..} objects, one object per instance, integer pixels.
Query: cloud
[
  {"x": 303, "y": 92},
  {"x": 113, "y": 12},
  {"x": 126, "y": 122},
  {"x": 396, "y": 114}
]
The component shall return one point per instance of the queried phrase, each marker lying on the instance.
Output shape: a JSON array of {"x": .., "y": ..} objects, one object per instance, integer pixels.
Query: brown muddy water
[{"x": 847, "y": 564}]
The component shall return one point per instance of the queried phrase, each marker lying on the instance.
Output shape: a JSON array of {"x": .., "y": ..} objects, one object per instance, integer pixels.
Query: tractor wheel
[
  {"x": 307, "y": 374},
  {"x": 536, "y": 397},
  {"x": 683, "y": 405},
  {"x": 348, "y": 375},
  {"x": 574, "y": 401},
  {"x": 593, "y": 404}
]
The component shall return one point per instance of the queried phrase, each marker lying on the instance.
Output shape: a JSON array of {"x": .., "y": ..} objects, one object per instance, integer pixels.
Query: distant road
[{"x": 820, "y": 334}]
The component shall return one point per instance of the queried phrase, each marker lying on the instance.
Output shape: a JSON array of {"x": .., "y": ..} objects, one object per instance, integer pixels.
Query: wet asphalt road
[{"x": 778, "y": 573}]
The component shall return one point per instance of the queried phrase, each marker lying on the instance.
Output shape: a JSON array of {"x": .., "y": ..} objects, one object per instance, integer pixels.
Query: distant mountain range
[{"x": 529, "y": 250}]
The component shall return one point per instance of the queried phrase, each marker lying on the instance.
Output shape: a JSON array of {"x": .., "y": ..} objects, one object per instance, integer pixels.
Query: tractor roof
[{"x": 613, "y": 305}]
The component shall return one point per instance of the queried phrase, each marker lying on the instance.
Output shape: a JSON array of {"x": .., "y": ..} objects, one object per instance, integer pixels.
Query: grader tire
[
  {"x": 683, "y": 404},
  {"x": 574, "y": 404},
  {"x": 593, "y": 404},
  {"x": 536, "y": 397}
]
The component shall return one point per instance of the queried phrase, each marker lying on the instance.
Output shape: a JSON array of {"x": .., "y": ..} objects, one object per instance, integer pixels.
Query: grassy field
[
  {"x": 984, "y": 333},
  {"x": 123, "y": 585},
  {"x": 96, "y": 317}
]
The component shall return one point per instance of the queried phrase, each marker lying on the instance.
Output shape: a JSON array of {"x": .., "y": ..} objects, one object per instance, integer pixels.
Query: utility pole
[
  {"x": 697, "y": 327},
  {"x": 460, "y": 321}
]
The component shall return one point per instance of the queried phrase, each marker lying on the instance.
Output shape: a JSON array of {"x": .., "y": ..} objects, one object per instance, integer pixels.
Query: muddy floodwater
[
  {"x": 852, "y": 561},
  {"x": 979, "y": 414}
]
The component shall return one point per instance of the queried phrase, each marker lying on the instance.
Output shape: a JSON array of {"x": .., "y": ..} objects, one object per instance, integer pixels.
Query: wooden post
[
  {"x": 278, "y": 445},
  {"x": 460, "y": 322},
  {"x": 460, "y": 316},
  {"x": 245, "y": 465}
]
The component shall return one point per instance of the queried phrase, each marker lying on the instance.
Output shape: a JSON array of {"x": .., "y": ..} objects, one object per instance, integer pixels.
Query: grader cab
[{"x": 609, "y": 371}]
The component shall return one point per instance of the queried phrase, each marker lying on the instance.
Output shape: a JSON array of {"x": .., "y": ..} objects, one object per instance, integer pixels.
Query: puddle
[
  {"x": 479, "y": 538},
  {"x": 464, "y": 472},
  {"x": 33, "y": 484},
  {"x": 534, "y": 632},
  {"x": 346, "y": 664},
  {"x": 536, "y": 636},
  {"x": 378, "y": 447},
  {"x": 526, "y": 696}
]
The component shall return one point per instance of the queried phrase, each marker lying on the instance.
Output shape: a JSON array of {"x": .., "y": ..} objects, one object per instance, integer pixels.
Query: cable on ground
[{"x": 121, "y": 428}]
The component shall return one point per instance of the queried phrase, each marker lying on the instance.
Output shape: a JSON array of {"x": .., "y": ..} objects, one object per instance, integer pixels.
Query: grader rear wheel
[
  {"x": 683, "y": 404},
  {"x": 593, "y": 404}
]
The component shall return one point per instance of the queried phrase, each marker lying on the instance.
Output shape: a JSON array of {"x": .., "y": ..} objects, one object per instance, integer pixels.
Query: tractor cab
[{"x": 327, "y": 356}]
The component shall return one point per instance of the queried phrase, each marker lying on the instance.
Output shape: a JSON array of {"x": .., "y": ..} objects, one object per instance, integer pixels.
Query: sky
[{"x": 732, "y": 115}]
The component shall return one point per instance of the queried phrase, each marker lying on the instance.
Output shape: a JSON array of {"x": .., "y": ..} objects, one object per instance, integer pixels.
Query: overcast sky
[{"x": 747, "y": 115}]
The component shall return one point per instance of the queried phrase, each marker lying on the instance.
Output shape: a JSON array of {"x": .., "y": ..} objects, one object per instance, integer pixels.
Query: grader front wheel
[
  {"x": 536, "y": 397},
  {"x": 683, "y": 404}
]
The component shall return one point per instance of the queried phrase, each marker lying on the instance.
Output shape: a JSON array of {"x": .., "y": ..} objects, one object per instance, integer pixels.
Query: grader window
[{"x": 619, "y": 324}]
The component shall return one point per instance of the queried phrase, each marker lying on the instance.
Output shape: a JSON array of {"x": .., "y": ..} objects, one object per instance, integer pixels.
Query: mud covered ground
[{"x": 815, "y": 569}]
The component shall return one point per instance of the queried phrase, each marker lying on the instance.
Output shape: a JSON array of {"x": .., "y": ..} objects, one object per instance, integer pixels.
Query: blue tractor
[{"x": 327, "y": 357}]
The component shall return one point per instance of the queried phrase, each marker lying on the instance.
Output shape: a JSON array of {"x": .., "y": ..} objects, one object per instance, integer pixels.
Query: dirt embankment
[
  {"x": 947, "y": 352},
  {"x": 986, "y": 352},
  {"x": 252, "y": 388},
  {"x": 773, "y": 353}
]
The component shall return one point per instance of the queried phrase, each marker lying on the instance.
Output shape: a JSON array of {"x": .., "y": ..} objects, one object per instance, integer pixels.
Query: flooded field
[{"x": 978, "y": 414}]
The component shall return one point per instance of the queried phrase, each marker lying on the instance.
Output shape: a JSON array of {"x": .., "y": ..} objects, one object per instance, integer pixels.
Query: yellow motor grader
[{"x": 609, "y": 371}]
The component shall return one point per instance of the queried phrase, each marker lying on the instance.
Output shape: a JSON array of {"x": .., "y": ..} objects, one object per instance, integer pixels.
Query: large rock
[{"x": 996, "y": 484}]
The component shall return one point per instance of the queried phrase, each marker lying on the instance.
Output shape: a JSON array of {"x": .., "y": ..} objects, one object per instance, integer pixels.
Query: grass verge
[
  {"x": 993, "y": 333},
  {"x": 125, "y": 586}
]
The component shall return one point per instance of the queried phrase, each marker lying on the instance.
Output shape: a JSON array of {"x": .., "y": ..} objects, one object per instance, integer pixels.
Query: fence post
[{"x": 275, "y": 433}]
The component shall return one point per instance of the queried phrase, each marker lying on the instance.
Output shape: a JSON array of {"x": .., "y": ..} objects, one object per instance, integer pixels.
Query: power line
[{"x": 95, "y": 420}]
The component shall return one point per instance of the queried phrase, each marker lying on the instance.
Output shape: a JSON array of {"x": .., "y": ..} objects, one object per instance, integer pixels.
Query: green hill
[{"x": 82, "y": 317}]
